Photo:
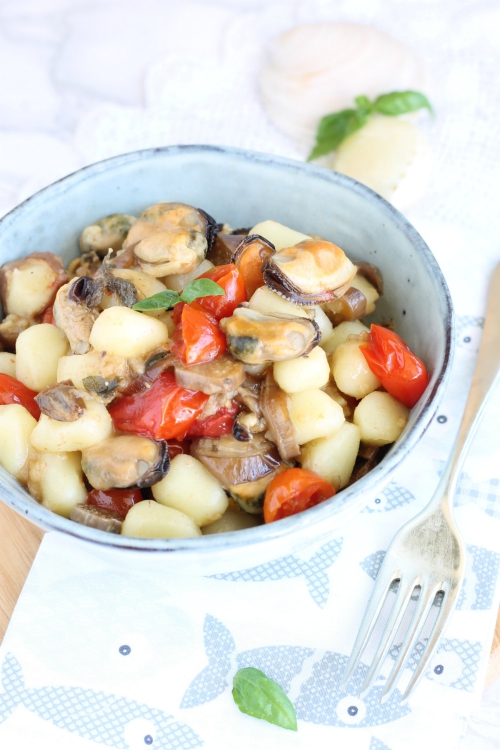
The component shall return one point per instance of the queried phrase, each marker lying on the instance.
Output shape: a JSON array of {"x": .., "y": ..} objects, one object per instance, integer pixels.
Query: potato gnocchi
[{"x": 182, "y": 378}]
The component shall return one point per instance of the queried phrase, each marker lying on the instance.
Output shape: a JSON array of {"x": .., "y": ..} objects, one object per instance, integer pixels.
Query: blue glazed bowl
[{"x": 243, "y": 188}]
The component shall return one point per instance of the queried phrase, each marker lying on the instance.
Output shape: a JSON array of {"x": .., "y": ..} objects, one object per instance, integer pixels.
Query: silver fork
[{"x": 428, "y": 551}]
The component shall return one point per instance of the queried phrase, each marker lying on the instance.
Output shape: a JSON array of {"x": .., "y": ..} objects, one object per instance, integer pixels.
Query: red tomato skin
[
  {"x": 217, "y": 425},
  {"x": 293, "y": 491},
  {"x": 197, "y": 337},
  {"x": 12, "y": 391},
  {"x": 230, "y": 279},
  {"x": 115, "y": 501},
  {"x": 400, "y": 371},
  {"x": 162, "y": 412}
]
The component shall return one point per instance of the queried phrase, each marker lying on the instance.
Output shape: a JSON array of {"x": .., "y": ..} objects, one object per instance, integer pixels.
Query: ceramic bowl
[{"x": 243, "y": 188}]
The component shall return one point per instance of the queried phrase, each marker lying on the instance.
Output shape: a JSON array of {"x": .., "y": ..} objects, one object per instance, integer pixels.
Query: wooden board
[{"x": 19, "y": 542}]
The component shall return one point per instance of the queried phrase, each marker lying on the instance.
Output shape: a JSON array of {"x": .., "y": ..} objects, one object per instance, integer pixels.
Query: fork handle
[{"x": 486, "y": 377}]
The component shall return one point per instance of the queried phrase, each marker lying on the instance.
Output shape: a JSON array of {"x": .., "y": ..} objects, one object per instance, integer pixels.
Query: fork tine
[
  {"x": 391, "y": 628},
  {"x": 418, "y": 619},
  {"x": 377, "y": 599},
  {"x": 447, "y": 608}
]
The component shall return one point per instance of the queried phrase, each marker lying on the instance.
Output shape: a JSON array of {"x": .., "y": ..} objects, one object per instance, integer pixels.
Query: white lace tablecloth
[{"x": 84, "y": 80}]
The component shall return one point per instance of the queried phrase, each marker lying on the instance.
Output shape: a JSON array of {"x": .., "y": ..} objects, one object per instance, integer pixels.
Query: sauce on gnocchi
[{"x": 181, "y": 378}]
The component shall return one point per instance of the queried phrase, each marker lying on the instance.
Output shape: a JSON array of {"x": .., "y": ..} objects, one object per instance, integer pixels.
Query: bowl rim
[{"x": 340, "y": 505}]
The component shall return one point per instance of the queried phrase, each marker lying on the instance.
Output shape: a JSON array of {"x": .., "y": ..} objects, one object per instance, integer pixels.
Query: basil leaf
[
  {"x": 161, "y": 301},
  {"x": 401, "y": 102},
  {"x": 362, "y": 102},
  {"x": 201, "y": 288},
  {"x": 257, "y": 695},
  {"x": 333, "y": 129}
]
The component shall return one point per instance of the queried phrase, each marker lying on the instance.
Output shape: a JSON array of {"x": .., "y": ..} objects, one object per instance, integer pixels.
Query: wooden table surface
[{"x": 19, "y": 542}]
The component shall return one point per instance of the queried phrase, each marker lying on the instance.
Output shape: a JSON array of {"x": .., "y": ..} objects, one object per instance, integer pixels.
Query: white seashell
[
  {"x": 316, "y": 69},
  {"x": 388, "y": 154}
]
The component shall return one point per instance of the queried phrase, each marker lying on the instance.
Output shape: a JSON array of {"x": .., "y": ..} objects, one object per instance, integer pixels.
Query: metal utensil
[{"x": 428, "y": 551}]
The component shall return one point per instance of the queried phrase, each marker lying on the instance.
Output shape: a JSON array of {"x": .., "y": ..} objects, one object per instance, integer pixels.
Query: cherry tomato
[
  {"x": 115, "y": 501},
  {"x": 400, "y": 371},
  {"x": 177, "y": 446},
  {"x": 230, "y": 279},
  {"x": 12, "y": 391},
  {"x": 293, "y": 491},
  {"x": 163, "y": 411},
  {"x": 220, "y": 423},
  {"x": 48, "y": 315},
  {"x": 197, "y": 338}
]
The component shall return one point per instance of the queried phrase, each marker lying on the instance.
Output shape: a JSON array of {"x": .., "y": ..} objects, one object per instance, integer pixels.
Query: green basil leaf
[
  {"x": 333, "y": 129},
  {"x": 201, "y": 288},
  {"x": 401, "y": 102},
  {"x": 161, "y": 301},
  {"x": 363, "y": 103},
  {"x": 257, "y": 695}
]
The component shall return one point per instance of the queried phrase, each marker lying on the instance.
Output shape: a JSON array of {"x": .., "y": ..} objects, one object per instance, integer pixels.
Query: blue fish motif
[
  {"x": 314, "y": 571},
  {"x": 320, "y": 698},
  {"x": 479, "y": 584},
  {"x": 485, "y": 495},
  {"x": 376, "y": 744},
  {"x": 455, "y": 663},
  {"x": 481, "y": 574},
  {"x": 393, "y": 496},
  {"x": 469, "y": 331},
  {"x": 101, "y": 717}
]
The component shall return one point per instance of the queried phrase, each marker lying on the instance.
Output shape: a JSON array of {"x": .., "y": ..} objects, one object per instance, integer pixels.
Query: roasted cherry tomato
[
  {"x": 400, "y": 371},
  {"x": 114, "y": 501},
  {"x": 230, "y": 279},
  {"x": 163, "y": 411},
  {"x": 219, "y": 424},
  {"x": 197, "y": 338},
  {"x": 48, "y": 315},
  {"x": 293, "y": 491},
  {"x": 12, "y": 391}
]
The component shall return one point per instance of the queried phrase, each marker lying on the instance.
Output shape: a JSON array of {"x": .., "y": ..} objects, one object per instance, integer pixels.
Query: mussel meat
[
  {"x": 255, "y": 339},
  {"x": 309, "y": 273}
]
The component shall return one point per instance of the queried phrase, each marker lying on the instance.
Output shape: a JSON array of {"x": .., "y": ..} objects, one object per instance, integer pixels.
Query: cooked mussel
[
  {"x": 125, "y": 461},
  {"x": 255, "y": 339},
  {"x": 171, "y": 238},
  {"x": 249, "y": 259},
  {"x": 309, "y": 273},
  {"x": 109, "y": 232},
  {"x": 74, "y": 311}
]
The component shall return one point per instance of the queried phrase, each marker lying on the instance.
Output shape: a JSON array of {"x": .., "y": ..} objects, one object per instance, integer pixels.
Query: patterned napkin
[{"x": 102, "y": 655}]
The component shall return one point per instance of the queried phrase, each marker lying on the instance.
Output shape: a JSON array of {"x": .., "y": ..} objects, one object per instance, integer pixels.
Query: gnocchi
[
  {"x": 381, "y": 418},
  {"x": 38, "y": 351},
  {"x": 16, "y": 426},
  {"x": 155, "y": 521},
  {"x": 351, "y": 372}
]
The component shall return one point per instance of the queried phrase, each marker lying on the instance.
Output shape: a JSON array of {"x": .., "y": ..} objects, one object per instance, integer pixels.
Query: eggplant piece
[
  {"x": 221, "y": 375},
  {"x": 275, "y": 404},
  {"x": 309, "y": 273},
  {"x": 74, "y": 314},
  {"x": 224, "y": 248},
  {"x": 371, "y": 274},
  {"x": 233, "y": 462},
  {"x": 351, "y": 306},
  {"x": 61, "y": 401},
  {"x": 257, "y": 339},
  {"x": 10, "y": 328},
  {"x": 96, "y": 518},
  {"x": 125, "y": 461},
  {"x": 28, "y": 285}
]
